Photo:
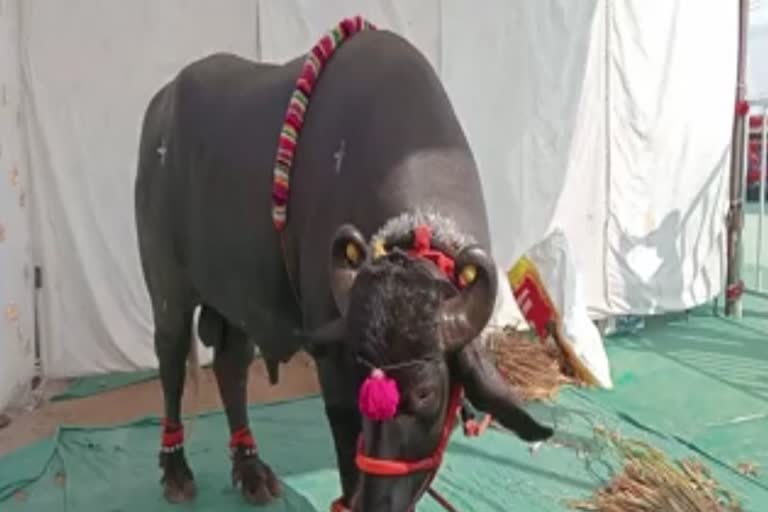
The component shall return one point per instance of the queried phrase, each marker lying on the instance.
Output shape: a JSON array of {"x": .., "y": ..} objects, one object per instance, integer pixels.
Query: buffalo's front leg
[
  {"x": 172, "y": 345},
  {"x": 339, "y": 382},
  {"x": 232, "y": 360},
  {"x": 345, "y": 427}
]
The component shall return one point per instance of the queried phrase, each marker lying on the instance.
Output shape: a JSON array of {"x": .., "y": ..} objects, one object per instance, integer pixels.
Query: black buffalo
[{"x": 381, "y": 152}]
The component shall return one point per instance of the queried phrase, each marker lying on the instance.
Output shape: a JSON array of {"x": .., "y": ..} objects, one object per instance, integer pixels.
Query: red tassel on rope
[{"x": 422, "y": 247}]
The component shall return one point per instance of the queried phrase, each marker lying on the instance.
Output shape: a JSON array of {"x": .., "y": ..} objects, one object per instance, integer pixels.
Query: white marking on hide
[
  {"x": 161, "y": 151},
  {"x": 338, "y": 156}
]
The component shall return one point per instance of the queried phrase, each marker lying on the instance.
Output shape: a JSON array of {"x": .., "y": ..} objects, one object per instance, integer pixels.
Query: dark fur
[
  {"x": 393, "y": 315},
  {"x": 205, "y": 233}
]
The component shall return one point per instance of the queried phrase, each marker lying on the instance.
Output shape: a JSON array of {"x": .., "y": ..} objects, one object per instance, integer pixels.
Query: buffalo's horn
[
  {"x": 348, "y": 252},
  {"x": 465, "y": 315},
  {"x": 487, "y": 390}
]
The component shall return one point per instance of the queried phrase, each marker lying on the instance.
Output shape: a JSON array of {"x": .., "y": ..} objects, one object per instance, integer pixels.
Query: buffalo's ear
[{"x": 348, "y": 253}]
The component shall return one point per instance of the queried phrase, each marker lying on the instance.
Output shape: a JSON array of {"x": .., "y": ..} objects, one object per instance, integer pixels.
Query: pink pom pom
[{"x": 379, "y": 397}]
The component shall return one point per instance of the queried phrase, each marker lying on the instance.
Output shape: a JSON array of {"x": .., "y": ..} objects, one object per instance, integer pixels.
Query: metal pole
[
  {"x": 735, "y": 212},
  {"x": 763, "y": 162},
  {"x": 744, "y": 167}
]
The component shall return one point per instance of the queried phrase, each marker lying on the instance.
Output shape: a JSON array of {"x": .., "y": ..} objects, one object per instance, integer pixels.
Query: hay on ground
[
  {"x": 649, "y": 482},
  {"x": 534, "y": 369}
]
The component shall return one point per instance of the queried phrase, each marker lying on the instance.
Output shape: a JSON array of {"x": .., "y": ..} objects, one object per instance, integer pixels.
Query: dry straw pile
[
  {"x": 648, "y": 481},
  {"x": 534, "y": 369}
]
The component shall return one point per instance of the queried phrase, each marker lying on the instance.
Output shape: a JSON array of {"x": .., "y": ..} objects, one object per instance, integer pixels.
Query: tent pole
[{"x": 734, "y": 284}]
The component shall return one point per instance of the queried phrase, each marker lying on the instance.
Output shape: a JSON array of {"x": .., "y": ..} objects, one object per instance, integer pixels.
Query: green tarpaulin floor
[
  {"x": 695, "y": 387},
  {"x": 90, "y": 385}
]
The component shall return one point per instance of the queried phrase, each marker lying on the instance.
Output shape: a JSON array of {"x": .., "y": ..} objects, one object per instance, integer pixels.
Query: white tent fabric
[
  {"x": 757, "y": 49},
  {"x": 671, "y": 107},
  {"x": 16, "y": 273},
  {"x": 609, "y": 120},
  {"x": 90, "y": 68},
  {"x": 528, "y": 84}
]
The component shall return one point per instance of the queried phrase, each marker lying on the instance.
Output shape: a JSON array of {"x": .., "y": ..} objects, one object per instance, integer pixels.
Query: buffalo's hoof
[
  {"x": 178, "y": 480},
  {"x": 258, "y": 483}
]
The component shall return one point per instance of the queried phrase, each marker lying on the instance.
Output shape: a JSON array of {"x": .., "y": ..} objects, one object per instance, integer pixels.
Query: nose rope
[
  {"x": 394, "y": 366},
  {"x": 440, "y": 499},
  {"x": 432, "y": 463}
]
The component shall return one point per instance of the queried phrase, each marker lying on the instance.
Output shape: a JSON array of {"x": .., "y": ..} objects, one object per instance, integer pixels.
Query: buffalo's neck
[{"x": 380, "y": 139}]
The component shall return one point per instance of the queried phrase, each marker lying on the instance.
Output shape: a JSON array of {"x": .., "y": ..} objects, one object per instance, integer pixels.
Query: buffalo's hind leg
[
  {"x": 169, "y": 290},
  {"x": 172, "y": 312},
  {"x": 233, "y": 354},
  {"x": 172, "y": 345}
]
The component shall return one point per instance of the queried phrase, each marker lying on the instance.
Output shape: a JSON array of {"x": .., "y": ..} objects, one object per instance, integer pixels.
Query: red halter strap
[
  {"x": 393, "y": 467},
  {"x": 387, "y": 467}
]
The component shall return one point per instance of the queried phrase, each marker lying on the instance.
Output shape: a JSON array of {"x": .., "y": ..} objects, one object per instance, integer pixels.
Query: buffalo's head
[{"x": 401, "y": 314}]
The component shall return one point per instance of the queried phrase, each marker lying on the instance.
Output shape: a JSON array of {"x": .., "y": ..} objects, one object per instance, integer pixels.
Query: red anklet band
[
  {"x": 243, "y": 439},
  {"x": 173, "y": 436}
]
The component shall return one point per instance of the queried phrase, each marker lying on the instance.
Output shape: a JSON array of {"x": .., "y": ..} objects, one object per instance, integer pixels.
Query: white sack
[
  {"x": 506, "y": 311},
  {"x": 563, "y": 282}
]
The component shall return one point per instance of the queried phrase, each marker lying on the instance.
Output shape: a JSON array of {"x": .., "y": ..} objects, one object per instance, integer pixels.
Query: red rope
[
  {"x": 441, "y": 500},
  {"x": 734, "y": 291},
  {"x": 474, "y": 428},
  {"x": 293, "y": 120},
  {"x": 422, "y": 247}
]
